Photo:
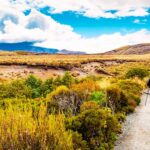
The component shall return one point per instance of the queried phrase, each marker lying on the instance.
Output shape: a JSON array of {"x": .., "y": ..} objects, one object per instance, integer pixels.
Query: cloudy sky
[{"x": 79, "y": 25}]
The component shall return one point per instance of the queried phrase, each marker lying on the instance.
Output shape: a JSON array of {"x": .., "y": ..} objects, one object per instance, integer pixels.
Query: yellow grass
[{"x": 30, "y": 59}]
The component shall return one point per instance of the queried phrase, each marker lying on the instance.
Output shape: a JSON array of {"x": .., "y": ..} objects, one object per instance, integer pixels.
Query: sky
[{"x": 91, "y": 26}]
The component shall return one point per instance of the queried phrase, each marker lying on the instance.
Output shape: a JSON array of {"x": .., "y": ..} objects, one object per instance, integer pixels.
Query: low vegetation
[
  {"x": 65, "y": 113},
  {"x": 137, "y": 72},
  {"x": 63, "y": 61}
]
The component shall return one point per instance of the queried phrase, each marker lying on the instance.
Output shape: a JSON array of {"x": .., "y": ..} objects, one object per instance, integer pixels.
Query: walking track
[{"x": 136, "y": 132}]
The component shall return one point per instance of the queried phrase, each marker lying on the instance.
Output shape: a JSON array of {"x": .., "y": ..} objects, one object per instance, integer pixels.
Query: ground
[
  {"x": 136, "y": 134},
  {"x": 19, "y": 65}
]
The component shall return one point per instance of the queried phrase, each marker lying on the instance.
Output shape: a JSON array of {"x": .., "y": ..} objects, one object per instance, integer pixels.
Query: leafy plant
[
  {"x": 99, "y": 97},
  {"x": 137, "y": 72}
]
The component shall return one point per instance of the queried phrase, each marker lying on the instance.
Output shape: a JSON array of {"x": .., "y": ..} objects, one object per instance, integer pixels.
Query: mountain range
[
  {"x": 137, "y": 49},
  {"x": 29, "y": 47}
]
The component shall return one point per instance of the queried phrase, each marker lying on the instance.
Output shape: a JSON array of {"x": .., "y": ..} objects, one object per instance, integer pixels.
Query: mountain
[
  {"x": 29, "y": 47},
  {"x": 70, "y": 52},
  {"x": 138, "y": 49}
]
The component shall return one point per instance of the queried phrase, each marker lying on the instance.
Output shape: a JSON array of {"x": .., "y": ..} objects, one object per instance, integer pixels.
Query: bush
[
  {"x": 132, "y": 90},
  {"x": 35, "y": 85},
  {"x": 137, "y": 72},
  {"x": 19, "y": 130},
  {"x": 116, "y": 99},
  {"x": 78, "y": 142},
  {"x": 64, "y": 113},
  {"x": 89, "y": 105},
  {"x": 67, "y": 79},
  {"x": 129, "y": 86},
  {"x": 63, "y": 100},
  {"x": 99, "y": 97},
  {"x": 15, "y": 89},
  {"x": 85, "y": 89},
  {"x": 98, "y": 127}
]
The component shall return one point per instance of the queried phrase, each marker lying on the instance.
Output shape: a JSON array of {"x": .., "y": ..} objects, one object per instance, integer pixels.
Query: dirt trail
[{"x": 136, "y": 134}]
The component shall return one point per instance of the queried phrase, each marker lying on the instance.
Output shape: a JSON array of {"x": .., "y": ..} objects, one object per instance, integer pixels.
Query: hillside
[
  {"x": 138, "y": 49},
  {"x": 30, "y": 47}
]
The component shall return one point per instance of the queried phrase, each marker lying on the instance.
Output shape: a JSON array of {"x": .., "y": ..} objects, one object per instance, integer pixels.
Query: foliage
[
  {"x": 99, "y": 97},
  {"x": 15, "y": 89},
  {"x": 33, "y": 87},
  {"x": 132, "y": 89},
  {"x": 85, "y": 88},
  {"x": 64, "y": 113},
  {"x": 137, "y": 72},
  {"x": 89, "y": 105},
  {"x": 97, "y": 126},
  {"x": 116, "y": 99},
  {"x": 63, "y": 100},
  {"x": 67, "y": 79},
  {"x": 34, "y": 84},
  {"x": 19, "y": 130}
]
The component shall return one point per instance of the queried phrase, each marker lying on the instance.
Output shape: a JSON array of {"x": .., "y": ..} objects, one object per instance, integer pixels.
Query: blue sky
[
  {"x": 87, "y": 25},
  {"x": 90, "y": 27}
]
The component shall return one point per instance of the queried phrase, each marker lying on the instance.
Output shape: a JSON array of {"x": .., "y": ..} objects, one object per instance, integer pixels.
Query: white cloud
[
  {"x": 136, "y": 21},
  {"x": 140, "y": 21},
  {"x": 89, "y": 8},
  {"x": 97, "y": 8},
  {"x": 101, "y": 43},
  {"x": 46, "y": 32},
  {"x": 132, "y": 12}
]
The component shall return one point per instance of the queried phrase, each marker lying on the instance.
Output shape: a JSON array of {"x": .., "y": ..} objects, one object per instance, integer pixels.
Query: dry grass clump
[{"x": 20, "y": 130}]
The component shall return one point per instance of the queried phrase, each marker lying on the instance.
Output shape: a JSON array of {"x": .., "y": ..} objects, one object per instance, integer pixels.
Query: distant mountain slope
[
  {"x": 133, "y": 49},
  {"x": 29, "y": 47}
]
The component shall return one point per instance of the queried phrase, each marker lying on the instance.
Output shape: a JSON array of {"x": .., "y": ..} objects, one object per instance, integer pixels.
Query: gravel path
[{"x": 136, "y": 132}]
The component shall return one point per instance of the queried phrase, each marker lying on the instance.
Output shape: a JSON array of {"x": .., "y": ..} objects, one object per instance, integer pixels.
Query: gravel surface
[{"x": 136, "y": 131}]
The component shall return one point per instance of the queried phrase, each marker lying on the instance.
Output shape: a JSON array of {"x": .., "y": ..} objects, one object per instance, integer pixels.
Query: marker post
[{"x": 147, "y": 96}]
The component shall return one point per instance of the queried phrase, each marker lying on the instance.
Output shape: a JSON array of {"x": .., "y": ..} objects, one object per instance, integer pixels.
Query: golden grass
[{"x": 56, "y": 60}]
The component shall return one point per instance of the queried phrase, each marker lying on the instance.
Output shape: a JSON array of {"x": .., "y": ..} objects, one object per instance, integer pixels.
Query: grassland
[
  {"x": 60, "y": 60},
  {"x": 67, "y": 101},
  {"x": 21, "y": 64}
]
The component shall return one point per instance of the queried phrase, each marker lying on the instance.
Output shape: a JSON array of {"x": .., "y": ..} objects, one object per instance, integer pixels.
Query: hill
[
  {"x": 30, "y": 47},
  {"x": 138, "y": 49}
]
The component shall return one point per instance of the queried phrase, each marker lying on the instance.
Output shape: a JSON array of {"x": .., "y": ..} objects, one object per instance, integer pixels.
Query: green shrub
[
  {"x": 67, "y": 79},
  {"x": 130, "y": 86},
  {"x": 15, "y": 89},
  {"x": 64, "y": 113},
  {"x": 116, "y": 99},
  {"x": 99, "y": 97},
  {"x": 97, "y": 126},
  {"x": 132, "y": 90},
  {"x": 46, "y": 87},
  {"x": 137, "y": 72},
  {"x": 35, "y": 85}
]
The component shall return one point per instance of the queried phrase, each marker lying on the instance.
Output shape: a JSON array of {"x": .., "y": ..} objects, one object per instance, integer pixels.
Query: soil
[
  {"x": 136, "y": 131},
  {"x": 22, "y": 71}
]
